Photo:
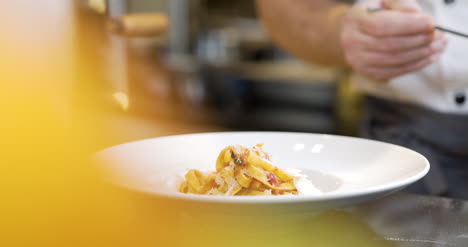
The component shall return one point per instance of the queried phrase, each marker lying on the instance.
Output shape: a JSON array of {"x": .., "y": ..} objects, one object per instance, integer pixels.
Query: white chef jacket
[{"x": 443, "y": 85}]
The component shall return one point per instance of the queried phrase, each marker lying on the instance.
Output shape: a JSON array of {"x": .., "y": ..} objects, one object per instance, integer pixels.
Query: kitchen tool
[{"x": 447, "y": 30}]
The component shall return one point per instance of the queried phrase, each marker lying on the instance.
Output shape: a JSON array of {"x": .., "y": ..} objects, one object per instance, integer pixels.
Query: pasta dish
[{"x": 241, "y": 171}]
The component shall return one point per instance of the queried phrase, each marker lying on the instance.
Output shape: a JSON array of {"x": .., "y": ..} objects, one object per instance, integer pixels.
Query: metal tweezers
[{"x": 435, "y": 27}]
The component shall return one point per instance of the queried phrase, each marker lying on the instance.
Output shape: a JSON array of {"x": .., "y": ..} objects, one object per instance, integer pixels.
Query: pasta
[{"x": 240, "y": 171}]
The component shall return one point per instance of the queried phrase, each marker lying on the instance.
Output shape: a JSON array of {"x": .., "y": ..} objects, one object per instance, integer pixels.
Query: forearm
[{"x": 308, "y": 29}]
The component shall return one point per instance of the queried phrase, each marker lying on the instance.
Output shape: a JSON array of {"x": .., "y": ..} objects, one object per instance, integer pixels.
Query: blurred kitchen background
[{"x": 182, "y": 66}]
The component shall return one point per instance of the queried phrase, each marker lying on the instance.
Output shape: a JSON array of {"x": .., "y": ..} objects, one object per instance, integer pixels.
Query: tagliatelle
[{"x": 241, "y": 171}]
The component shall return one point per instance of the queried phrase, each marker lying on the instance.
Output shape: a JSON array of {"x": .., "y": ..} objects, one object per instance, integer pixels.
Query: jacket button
[
  {"x": 449, "y": 1},
  {"x": 460, "y": 98}
]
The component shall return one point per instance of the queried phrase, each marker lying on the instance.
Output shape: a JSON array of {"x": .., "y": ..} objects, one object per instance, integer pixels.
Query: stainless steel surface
[
  {"x": 400, "y": 220},
  {"x": 116, "y": 8},
  {"x": 179, "y": 13},
  {"x": 411, "y": 220}
]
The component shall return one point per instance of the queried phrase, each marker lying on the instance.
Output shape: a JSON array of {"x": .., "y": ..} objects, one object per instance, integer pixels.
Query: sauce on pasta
[{"x": 241, "y": 171}]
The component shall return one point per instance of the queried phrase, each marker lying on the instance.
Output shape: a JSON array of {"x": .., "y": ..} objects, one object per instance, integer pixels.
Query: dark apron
[{"x": 441, "y": 138}]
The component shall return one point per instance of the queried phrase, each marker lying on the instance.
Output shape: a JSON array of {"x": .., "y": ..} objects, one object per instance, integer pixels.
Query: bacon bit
[{"x": 272, "y": 179}]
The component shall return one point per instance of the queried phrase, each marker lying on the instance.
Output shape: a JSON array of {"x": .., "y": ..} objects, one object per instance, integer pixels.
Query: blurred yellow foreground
[{"x": 50, "y": 195}]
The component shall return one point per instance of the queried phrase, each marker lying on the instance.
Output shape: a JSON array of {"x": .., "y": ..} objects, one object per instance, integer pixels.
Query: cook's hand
[{"x": 397, "y": 40}]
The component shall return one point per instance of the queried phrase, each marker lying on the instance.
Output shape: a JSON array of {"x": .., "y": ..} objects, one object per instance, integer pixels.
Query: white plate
[{"x": 347, "y": 170}]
